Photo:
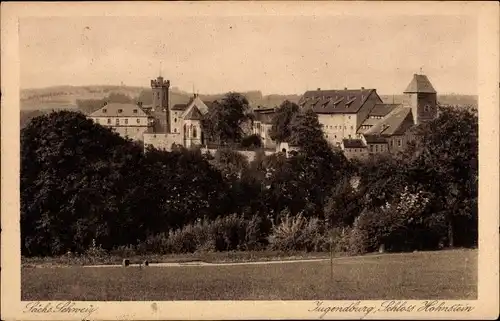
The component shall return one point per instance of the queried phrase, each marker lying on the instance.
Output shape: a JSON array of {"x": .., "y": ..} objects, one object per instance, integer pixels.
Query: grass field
[{"x": 422, "y": 275}]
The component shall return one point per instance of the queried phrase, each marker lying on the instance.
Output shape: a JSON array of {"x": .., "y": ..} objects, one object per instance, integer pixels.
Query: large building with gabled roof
[
  {"x": 128, "y": 120},
  {"x": 360, "y": 123}
]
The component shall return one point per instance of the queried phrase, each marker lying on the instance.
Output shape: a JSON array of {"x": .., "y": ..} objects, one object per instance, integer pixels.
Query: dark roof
[
  {"x": 193, "y": 114},
  {"x": 353, "y": 143},
  {"x": 209, "y": 103},
  {"x": 420, "y": 84},
  {"x": 336, "y": 101},
  {"x": 397, "y": 122},
  {"x": 371, "y": 121},
  {"x": 264, "y": 115},
  {"x": 382, "y": 109},
  {"x": 179, "y": 106},
  {"x": 120, "y": 110},
  {"x": 375, "y": 139},
  {"x": 269, "y": 110}
]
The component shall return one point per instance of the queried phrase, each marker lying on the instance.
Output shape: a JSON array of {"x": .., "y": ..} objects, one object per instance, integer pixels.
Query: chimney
[
  {"x": 139, "y": 103},
  {"x": 362, "y": 88}
]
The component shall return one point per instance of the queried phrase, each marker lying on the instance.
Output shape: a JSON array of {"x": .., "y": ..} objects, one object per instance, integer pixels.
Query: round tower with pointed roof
[{"x": 421, "y": 97}]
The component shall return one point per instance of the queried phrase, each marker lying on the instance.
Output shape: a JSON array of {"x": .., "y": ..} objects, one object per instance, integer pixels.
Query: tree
[
  {"x": 73, "y": 173},
  {"x": 223, "y": 122},
  {"x": 306, "y": 132},
  {"x": 81, "y": 183},
  {"x": 280, "y": 129},
  {"x": 447, "y": 165}
]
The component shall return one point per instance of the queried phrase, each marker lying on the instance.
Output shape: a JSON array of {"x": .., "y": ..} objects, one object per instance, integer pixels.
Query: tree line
[{"x": 82, "y": 184}]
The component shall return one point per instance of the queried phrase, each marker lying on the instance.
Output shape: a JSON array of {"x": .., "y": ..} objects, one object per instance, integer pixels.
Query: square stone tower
[
  {"x": 160, "y": 88},
  {"x": 421, "y": 97}
]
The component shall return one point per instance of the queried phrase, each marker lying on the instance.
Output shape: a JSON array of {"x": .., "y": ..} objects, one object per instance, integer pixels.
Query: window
[
  {"x": 335, "y": 136},
  {"x": 135, "y": 111},
  {"x": 371, "y": 148},
  {"x": 175, "y": 120},
  {"x": 376, "y": 148},
  {"x": 137, "y": 129},
  {"x": 109, "y": 120},
  {"x": 349, "y": 117},
  {"x": 349, "y": 136},
  {"x": 175, "y": 130},
  {"x": 194, "y": 132},
  {"x": 392, "y": 143},
  {"x": 426, "y": 108},
  {"x": 138, "y": 121},
  {"x": 399, "y": 142},
  {"x": 335, "y": 126},
  {"x": 104, "y": 110},
  {"x": 345, "y": 127},
  {"x": 120, "y": 111},
  {"x": 118, "y": 121},
  {"x": 97, "y": 120},
  {"x": 126, "y": 121},
  {"x": 352, "y": 127}
]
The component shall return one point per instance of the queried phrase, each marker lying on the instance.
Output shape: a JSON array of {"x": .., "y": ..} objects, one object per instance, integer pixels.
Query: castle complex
[{"x": 354, "y": 120}]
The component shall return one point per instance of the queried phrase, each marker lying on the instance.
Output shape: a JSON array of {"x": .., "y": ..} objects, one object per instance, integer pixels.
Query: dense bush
[
  {"x": 296, "y": 233},
  {"x": 399, "y": 226},
  {"x": 229, "y": 233},
  {"x": 251, "y": 141}
]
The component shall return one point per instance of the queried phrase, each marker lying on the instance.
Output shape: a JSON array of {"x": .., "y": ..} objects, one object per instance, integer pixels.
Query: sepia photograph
[{"x": 197, "y": 152}]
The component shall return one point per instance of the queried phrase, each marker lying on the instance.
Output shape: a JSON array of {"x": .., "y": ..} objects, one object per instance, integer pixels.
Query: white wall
[{"x": 338, "y": 126}]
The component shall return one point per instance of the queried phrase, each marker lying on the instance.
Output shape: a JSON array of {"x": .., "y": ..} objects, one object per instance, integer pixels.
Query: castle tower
[
  {"x": 421, "y": 97},
  {"x": 161, "y": 105}
]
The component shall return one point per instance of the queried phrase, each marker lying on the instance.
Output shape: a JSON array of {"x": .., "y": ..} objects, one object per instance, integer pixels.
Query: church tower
[
  {"x": 421, "y": 97},
  {"x": 161, "y": 105}
]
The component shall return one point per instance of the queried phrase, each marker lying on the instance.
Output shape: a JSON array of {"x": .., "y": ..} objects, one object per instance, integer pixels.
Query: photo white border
[{"x": 486, "y": 307}]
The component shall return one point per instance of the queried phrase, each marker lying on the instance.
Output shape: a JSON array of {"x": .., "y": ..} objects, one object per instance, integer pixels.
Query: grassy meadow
[{"x": 421, "y": 275}]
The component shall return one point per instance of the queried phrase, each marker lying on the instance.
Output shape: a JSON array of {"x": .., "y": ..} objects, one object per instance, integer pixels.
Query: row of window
[
  {"x": 375, "y": 147},
  {"x": 335, "y": 136},
  {"x": 117, "y": 121},
  {"x": 357, "y": 150},
  {"x": 105, "y": 110},
  {"x": 337, "y": 127}
]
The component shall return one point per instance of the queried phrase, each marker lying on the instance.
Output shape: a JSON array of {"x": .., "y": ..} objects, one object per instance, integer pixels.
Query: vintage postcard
[{"x": 250, "y": 160}]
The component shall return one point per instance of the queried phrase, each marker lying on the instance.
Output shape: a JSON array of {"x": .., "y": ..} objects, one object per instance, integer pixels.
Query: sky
[{"x": 273, "y": 54}]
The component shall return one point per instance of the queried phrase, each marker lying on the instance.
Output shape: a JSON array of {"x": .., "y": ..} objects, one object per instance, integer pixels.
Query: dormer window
[
  {"x": 135, "y": 111},
  {"x": 104, "y": 110},
  {"x": 120, "y": 111}
]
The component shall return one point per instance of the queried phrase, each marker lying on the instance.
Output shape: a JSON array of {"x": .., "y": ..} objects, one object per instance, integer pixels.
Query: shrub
[
  {"x": 396, "y": 226},
  {"x": 251, "y": 141},
  {"x": 296, "y": 233},
  {"x": 228, "y": 233}
]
